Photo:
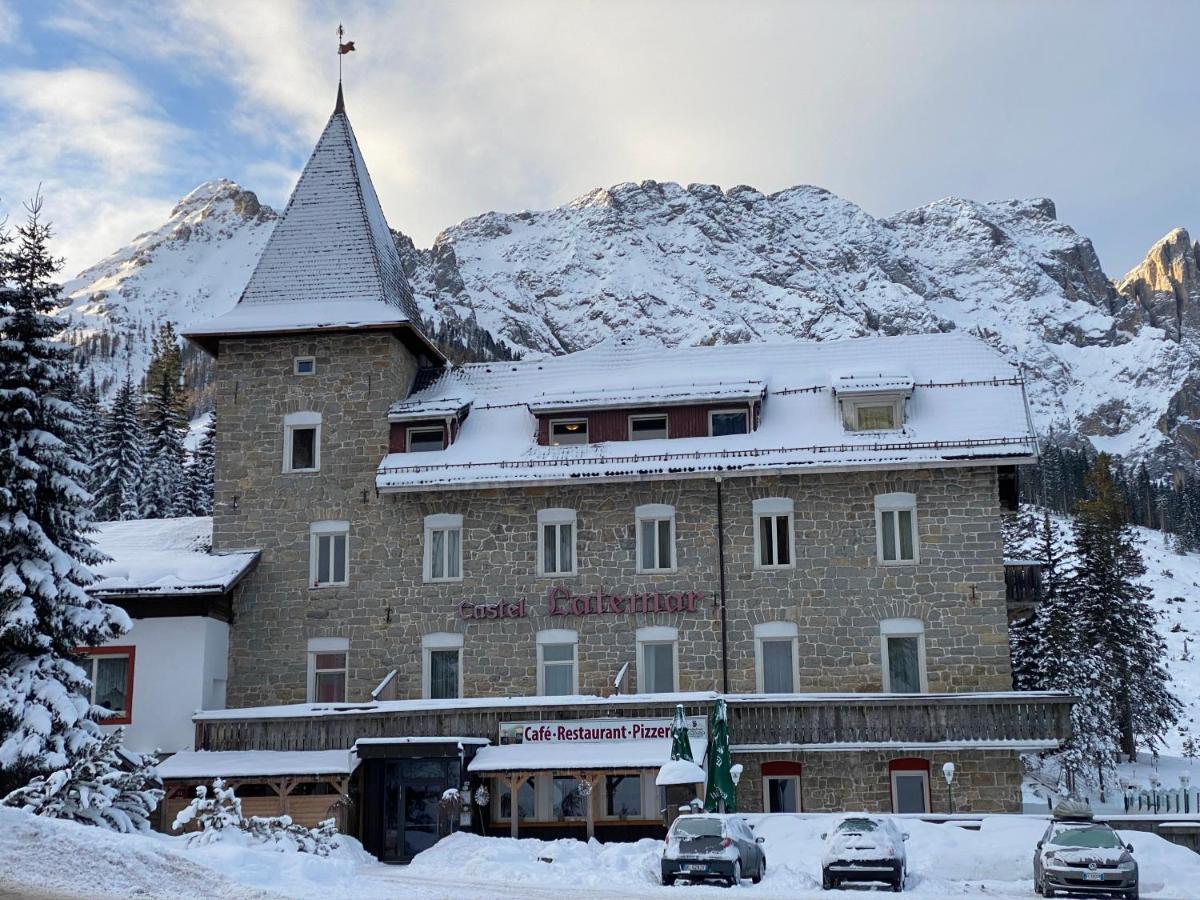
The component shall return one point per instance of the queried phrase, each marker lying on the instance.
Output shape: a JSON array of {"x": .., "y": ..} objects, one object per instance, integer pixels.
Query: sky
[{"x": 118, "y": 108}]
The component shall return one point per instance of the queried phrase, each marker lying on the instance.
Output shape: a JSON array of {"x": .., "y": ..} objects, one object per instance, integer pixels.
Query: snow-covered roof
[
  {"x": 967, "y": 406},
  {"x": 165, "y": 557},
  {"x": 251, "y": 763},
  {"x": 414, "y": 411},
  {"x": 643, "y": 754},
  {"x": 331, "y": 261},
  {"x": 865, "y": 383},
  {"x": 645, "y": 395}
]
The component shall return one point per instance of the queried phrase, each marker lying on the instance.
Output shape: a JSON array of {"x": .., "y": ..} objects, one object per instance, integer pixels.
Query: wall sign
[
  {"x": 596, "y": 731},
  {"x": 561, "y": 602}
]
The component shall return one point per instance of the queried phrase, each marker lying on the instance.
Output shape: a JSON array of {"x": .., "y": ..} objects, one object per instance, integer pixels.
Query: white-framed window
[
  {"x": 304, "y": 365},
  {"x": 657, "y": 659},
  {"x": 774, "y": 533},
  {"x": 728, "y": 421},
  {"x": 873, "y": 413},
  {"x": 781, "y": 787},
  {"x": 329, "y": 554},
  {"x": 648, "y": 427},
  {"x": 568, "y": 431},
  {"x": 302, "y": 442},
  {"x": 558, "y": 662},
  {"x": 556, "y": 541},
  {"x": 441, "y": 669},
  {"x": 424, "y": 439},
  {"x": 776, "y": 662},
  {"x": 910, "y": 790},
  {"x": 655, "y": 523},
  {"x": 110, "y": 670},
  {"x": 902, "y": 654},
  {"x": 327, "y": 669},
  {"x": 443, "y": 547},
  {"x": 896, "y": 529}
]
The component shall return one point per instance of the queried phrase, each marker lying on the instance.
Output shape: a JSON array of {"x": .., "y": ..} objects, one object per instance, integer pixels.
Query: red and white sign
[{"x": 596, "y": 731}]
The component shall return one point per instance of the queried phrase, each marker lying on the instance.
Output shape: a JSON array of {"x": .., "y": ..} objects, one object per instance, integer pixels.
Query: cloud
[
  {"x": 10, "y": 23},
  {"x": 94, "y": 142}
]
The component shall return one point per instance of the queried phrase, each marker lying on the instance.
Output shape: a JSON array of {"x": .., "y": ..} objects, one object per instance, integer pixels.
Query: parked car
[
  {"x": 1079, "y": 856},
  {"x": 711, "y": 846},
  {"x": 864, "y": 848}
]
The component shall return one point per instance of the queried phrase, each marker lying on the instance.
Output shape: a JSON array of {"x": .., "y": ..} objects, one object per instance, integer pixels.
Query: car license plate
[
  {"x": 695, "y": 867},
  {"x": 1093, "y": 876}
]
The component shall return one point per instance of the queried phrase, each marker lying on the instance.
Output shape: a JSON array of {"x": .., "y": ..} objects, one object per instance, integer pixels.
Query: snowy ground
[{"x": 40, "y": 857}]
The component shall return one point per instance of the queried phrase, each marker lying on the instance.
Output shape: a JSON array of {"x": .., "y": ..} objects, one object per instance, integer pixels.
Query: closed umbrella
[{"x": 720, "y": 794}]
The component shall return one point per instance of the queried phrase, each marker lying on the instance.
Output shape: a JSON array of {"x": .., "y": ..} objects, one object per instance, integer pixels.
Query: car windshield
[
  {"x": 861, "y": 825},
  {"x": 694, "y": 827},
  {"x": 1090, "y": 837}
]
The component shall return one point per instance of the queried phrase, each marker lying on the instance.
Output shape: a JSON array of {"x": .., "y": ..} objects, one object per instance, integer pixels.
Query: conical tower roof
[{"x": 331, "y": 262}]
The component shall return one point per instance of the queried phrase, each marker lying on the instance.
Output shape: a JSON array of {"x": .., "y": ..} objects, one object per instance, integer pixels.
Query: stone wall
[
  {"x": 836, "y": 593},
  {"x": 984, "y": 780}
]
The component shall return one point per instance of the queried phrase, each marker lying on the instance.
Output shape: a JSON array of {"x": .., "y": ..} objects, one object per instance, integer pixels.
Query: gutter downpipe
[{"x": 721, "y": 577}]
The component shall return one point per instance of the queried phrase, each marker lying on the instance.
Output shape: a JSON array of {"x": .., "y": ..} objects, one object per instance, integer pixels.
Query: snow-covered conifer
[
  {"x": 102, "y": 785},
  {"x": 45, "y": 514},
  {"x": 121, "y": 456},
  {"x": 211, "y": 815},
  {"x": 199, "y": 494},
  {"x": 165, "y": 481}
]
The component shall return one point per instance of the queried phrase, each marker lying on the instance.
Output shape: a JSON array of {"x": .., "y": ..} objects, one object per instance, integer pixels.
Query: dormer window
[
  {"x": 872, "y": 402},
  {"x": 648, "y": 428},
  {"x": 872, "y": 416},
  {"x": 728, "y": 421},
  {"x": 568, "y": 431},
  {"x": 421, "y": 440}
]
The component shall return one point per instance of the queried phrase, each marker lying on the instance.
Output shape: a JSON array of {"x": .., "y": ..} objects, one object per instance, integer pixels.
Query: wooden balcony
[{"x": 793, "y": 721}]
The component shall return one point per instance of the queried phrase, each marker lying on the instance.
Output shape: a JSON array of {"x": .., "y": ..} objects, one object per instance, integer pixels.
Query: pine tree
[
  {"x": 165, "y": 481},
  {"x": 199, "y": 494},
  {"x": 1114, "y": 618},
  {"x": 103, "y": 784},
  {"x": 121, "y": 452},
  {"x": 45, "y": 515}
]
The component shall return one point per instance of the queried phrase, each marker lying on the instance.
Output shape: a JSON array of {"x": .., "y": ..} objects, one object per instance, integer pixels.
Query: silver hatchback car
[{"x": 1078, "y": 856}]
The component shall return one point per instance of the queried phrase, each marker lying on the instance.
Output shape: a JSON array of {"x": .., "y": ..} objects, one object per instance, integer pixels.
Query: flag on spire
[{"x": 344, "y": 48}]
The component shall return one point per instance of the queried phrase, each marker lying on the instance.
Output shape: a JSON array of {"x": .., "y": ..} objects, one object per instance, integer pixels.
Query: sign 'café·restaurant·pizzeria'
[{"x": 501, "y": 579}]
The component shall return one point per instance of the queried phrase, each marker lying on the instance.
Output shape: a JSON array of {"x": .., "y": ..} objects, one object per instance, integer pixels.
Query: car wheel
[
  {"x": 668, "y": 880},
  {"x": 762, "y": 870},
  {"x": 1132, "y": 895},
  {"x": 736, "y": 878},
  {"x": 1046, "y": 891},
  {"x": 898, "y": 884}
]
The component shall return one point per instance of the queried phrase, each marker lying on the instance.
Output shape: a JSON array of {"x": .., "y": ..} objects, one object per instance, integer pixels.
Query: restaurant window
[
  {"x": 648, "y": 428},
  {"x": 557, "y": 662},
  {"x": 424, "y": 440},
  {"x": 623, "y": 796},
  {"x": 328, "y": 552},
  {"x": 302, "y": 442},
  {"x": 526, "y": 800},
  {"x": 655, "y": 542},
  {"x": 658, "y": 659},
  {"x": 110, "y": 669},
  {"x": 902, "y": 647},
  {"x": 304, "y": 365},
  {"x": 327, "y": 669},
  {"x": 910, "y": 785},
  {"x": 568, "y": 800},
  {"x": 556, "y": 541},
  {"x": 442, "y": 666},
  {"x": 443, "y": 547},
  {"x": 776, "y": 663},
  {"x": 896, "y": 528},
  {"x": 728, "y": 421},
  {"x": 568, "y": 431},
  {"x": 774, "y": 543},
  {"x": 781, "y": 787}
]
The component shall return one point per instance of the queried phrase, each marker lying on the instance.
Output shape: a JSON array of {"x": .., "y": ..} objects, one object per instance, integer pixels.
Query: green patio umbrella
[
  {"x": 681, "y": 746},
  {"x": 720, "y": 795}
]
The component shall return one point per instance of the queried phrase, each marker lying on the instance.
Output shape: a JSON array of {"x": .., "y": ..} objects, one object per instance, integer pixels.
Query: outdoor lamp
[
  {"x": 1184, "y": 780},
  {"x": 735, "y": 772},
  {"x": 948, "y": 774}
]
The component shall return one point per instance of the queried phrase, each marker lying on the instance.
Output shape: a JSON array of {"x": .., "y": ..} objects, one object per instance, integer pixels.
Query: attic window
[
  {"x": 568, "y": 431},
  {"x": 873, "y": 413},
  {"x": 422, "y": 440},
  {"x": 647, "y": 428},
  {"x": 728, "y": 421},
  {"x": 304, "y": 365}
]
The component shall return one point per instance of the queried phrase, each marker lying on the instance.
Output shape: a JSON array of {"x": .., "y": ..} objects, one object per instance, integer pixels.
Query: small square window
[
  {"x": 423, "y": 440},
  {"x": 728, "y": 421},
  {"x": 304, "y": 365},
  {"x": 647, "y": 428},
  {"x": 568, "y": 431}
]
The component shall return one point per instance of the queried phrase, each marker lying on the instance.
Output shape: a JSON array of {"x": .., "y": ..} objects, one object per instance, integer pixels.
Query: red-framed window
[
  {"x": 782, "y": 787},
  {"x": 110, "y": 670},
  {"x": 909, "y": 780}
]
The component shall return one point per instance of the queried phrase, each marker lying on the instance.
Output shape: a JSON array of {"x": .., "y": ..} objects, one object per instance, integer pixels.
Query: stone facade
[{"x": 836, "y": 593}]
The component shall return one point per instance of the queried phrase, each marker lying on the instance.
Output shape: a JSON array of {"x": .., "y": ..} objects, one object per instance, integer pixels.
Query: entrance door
[{"x": 412, "y": 791}]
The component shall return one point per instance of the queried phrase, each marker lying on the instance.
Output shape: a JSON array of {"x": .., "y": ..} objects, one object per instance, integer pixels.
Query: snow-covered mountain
[{"x": 1118, "y": 362}]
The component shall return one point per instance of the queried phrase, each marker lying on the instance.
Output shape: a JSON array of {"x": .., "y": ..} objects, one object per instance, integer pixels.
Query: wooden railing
[{"x": 796, "y": 720}]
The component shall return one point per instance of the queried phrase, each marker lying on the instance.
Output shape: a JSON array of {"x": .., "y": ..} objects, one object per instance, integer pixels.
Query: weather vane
[{"x": 343, "y": 49}]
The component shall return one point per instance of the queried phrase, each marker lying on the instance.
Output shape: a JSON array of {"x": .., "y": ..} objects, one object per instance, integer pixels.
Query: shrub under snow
[
  {"x": 220, "y": 816},
  {"x": 103, "y": 784}
]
